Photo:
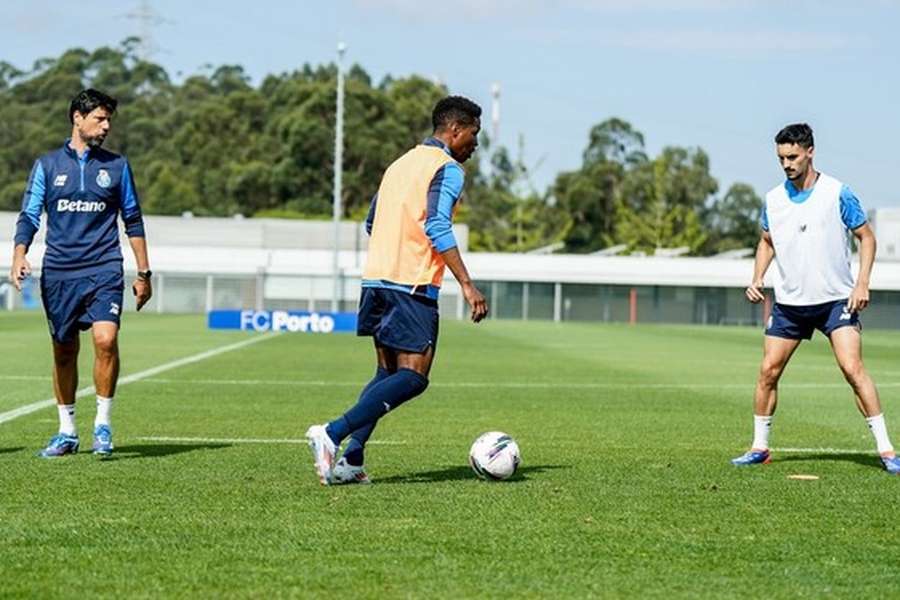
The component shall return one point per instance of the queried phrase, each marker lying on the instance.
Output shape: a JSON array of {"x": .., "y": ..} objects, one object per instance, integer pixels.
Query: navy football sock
[
  {"x": 354, "y": 453},
  {"x": 380, "y": 374},
  {"x": 387, "y": 394}
]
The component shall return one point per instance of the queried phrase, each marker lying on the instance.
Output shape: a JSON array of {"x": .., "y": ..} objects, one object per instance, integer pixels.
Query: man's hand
[
  {"x": 142, "y": 291},
  {"x": 20, "y": 270},
  {"x": 755, "y": 293},
  {"x": 859, "y": 298},
  {"x": 476, "y": 301}
]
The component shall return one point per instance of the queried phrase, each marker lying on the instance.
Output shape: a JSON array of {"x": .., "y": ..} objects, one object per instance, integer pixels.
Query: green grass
[{"x": 626, "y": 489}]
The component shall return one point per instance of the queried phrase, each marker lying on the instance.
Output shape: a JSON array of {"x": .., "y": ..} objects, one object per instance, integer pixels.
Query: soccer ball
[{"x": 494, "y": 455}]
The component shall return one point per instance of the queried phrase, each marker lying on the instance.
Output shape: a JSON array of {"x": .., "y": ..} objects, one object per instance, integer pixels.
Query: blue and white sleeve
[
  {"x": 852, "y": 213},
  {"x": 29, "y": 221},
  {"x": 443, "y": 194},
  {"x": 131, "y": 207},
  {"x": 764, "y": 217},
  {"x": 370, "y": 218}
]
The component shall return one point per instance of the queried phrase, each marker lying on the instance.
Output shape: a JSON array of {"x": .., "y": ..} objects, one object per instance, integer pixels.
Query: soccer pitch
[{"x": 625, "y": 490}]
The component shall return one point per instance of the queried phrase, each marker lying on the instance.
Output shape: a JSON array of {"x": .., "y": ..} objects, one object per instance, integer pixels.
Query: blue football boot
[
  {"x": 891, "y": 464},
  {"x": 103, "y": 445},
  {"x": 60, "y": 445},
  {"x": 752, "y": 457}
]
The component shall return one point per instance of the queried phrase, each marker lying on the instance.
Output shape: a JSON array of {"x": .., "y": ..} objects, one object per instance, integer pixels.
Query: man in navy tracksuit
[{"x": 83, "y": 188}]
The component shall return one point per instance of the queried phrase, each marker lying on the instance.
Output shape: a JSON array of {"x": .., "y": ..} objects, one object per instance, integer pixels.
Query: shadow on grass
[
  {"x": 11, "y": 450},
  {"x": 461, "y": 473},
  {"x": 867, "y": 460},
  {"x": 159, "y": 450}
]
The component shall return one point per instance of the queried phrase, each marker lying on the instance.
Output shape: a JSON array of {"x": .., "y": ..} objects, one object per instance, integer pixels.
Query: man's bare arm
[
  {"x": 476, "y": 300},
  {"x": 21, "y": 268},
  {"x": 141, "y": 287},
  {"x": 859, "y": 297},
  {"x": 765, "y": 252}
]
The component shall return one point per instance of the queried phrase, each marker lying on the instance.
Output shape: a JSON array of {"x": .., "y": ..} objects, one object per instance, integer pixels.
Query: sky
[{"x": 722, "y": 75}]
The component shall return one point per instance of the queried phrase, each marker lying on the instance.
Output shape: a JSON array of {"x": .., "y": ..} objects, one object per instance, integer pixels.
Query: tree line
[{"x": 216, "y": 145}]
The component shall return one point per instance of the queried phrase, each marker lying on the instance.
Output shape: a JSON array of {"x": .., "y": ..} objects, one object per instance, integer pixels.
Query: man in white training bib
[{"x": 806, "y": 223}]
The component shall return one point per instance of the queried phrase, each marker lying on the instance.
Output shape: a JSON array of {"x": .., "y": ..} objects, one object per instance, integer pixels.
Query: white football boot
[
  {"x": 323, "y": 451},
  {"x": 344, "y": 473}
]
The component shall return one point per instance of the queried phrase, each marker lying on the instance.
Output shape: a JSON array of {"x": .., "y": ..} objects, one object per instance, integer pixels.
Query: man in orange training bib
[{"x": 411, "y": 241}]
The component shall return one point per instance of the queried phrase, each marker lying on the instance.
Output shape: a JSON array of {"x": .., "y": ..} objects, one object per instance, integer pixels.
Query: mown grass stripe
[
  {"x": 87, "y": 391},
  {"x": 213, "y": 440}
]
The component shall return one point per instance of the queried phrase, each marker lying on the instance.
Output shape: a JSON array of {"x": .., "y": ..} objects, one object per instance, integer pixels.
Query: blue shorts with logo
[
  {"x": 398, "y": 320},
  {"x": 73, "y": 304},
  {"x": 799, "y": 322}
]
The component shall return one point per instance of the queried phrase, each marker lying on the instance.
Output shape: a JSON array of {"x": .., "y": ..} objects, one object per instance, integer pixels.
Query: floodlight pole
[{"x": 338, "y": 169}]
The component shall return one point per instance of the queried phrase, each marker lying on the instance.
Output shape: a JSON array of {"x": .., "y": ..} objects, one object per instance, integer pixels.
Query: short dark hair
[
  {"x": 796, "y": 133},
  {"x": 454, "y": 109},
  {"x": 89, "y": 99}
]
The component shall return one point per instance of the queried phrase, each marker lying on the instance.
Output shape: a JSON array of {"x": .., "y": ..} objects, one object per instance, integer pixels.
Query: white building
[
  {"x": 886, "y": 223},
  {"x": 206, "y": 263}
]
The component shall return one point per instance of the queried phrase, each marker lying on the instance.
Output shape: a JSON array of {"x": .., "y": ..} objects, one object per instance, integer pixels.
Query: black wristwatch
[{"x": 145, "y": 275}]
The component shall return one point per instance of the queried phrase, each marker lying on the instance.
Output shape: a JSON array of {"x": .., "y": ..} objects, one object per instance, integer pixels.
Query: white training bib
[{"x": 812, "y": 245}]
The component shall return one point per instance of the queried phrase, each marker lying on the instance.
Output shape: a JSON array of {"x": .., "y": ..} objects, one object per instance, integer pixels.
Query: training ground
[{"x": 626, "y": 489}]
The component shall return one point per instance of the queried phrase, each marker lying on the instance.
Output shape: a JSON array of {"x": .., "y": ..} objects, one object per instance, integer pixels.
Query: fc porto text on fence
[{"x": 295, "y": 321}]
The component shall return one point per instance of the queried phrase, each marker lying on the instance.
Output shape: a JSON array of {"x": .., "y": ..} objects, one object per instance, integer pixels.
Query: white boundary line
[
  {"x": 205, "y": 440},
  {"x": 506, "y": 384},
  {"x": 210, "y": 440},
  {"x": 469, "y": 384},
  {"x": 823, "y": 451},
  {"x": 87, "y": 391},
  {"x": 146, "y": 377}
]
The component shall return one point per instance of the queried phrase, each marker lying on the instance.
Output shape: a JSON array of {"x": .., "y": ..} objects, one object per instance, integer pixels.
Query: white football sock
[
  {"x": 104, "y": 405},
  {"x": 761, "y": 427},
  {"x": 879, "y": 432},
  {"x": 66, "y": 419}
]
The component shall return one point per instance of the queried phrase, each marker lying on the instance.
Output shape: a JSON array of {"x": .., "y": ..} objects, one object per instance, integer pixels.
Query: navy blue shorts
[
  {"x": 799, "y": 322},
  {"x": 73, "y": 305},
  {"x": 398, "y": 320}
]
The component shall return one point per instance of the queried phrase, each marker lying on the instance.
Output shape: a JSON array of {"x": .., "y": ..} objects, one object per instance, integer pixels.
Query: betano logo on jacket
[{"x": 66, "y": 205}]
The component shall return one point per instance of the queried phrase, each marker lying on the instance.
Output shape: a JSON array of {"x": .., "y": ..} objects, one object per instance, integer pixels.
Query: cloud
[
  {"x": 740, "y": 42},
  {"x": 482, "y": 10},
  {"x": 664, "y": 5},
  {"x": 468, "y": 9},
  {"x": 488, "y": 9},
  {"x": 718, "y": 34}
]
